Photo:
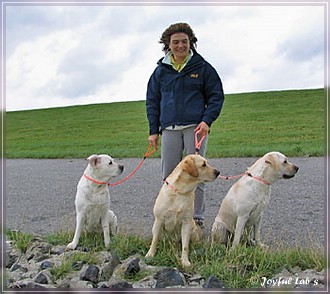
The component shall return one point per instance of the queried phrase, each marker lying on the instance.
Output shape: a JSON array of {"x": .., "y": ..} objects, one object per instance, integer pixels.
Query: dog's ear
[
  {"x": 189, "y": 167},
  {"x": 270, "y": 159},
  {"x": 94, "y": 159}
]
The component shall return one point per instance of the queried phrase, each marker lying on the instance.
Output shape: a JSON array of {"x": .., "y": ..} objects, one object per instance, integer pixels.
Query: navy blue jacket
[{"x": 181, "y": 98}]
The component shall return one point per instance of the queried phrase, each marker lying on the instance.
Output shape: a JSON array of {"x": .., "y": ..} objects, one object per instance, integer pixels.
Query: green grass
[
  {"x": 21, "y": 240},
  {"x": 250, "y": 124},
  {"x": 241, "y": 268},
  {"x": 69, "y": 260}
]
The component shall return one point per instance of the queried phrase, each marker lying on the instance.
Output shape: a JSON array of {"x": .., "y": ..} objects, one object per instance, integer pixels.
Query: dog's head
[
  {"x": 198, "y": 168},
  {"x": 278, "y": 166},
  {"x": 104, "y": 166}
]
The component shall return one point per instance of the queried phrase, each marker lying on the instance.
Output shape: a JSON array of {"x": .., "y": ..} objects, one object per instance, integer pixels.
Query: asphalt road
[{"x": 40, "y": 197}]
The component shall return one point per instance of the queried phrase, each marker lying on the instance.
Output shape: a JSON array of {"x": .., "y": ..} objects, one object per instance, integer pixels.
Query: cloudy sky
[{"x": 77, "y": 54}]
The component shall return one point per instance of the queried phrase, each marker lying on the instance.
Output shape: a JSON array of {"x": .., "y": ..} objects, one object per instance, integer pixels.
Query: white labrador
[
  {"x": 243, "y": 206},
  {"x": 93, "y": 198},
  {"x": 174, "y": 206}
]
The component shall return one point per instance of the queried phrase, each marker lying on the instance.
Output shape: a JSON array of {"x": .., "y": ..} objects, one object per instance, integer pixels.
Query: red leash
[
  {"x": 148, "y": 153},
  {"x": 247, "y": 174},
  {"x": 198, "y": 143},
  {"x": 232, "y": 177}
]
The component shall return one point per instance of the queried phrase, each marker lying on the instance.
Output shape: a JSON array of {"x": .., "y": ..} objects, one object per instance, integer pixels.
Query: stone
[
  {"x": 169, "y": 277},
  {"x": 107, "y": 271},
  {"x": 133, "y": 267},
  {"x": 46, "y": 264},
  {"x": 16, "y": 266},
  {"x": 90, "y": 274},
  {"x": 42, "y": 278},
  {"x": 103, "y": 285},
  {"x": 81, "y": 284},
  {"x": 57, "y": 250},
  {"x": 213, "y": 282},
  {"x": 120, "y": 285},
  {"x": 109, "y": 262},
  {"x": 147, "y": 282},
  {"x": 10, "y": 258},
  {"x": 78, "y": 265}
]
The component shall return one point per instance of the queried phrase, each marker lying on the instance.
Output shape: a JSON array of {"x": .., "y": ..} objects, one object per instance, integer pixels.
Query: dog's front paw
[
  {"x": 261, "y": 245},
  {"x": 71, "y": 246},
  {"x": 258, "y": 244},
  {"x": 106, "y": 242},
  {"x": 150, "y": 254},
  {"x": 113, "y": 223},
  {"x": 186, "y": 263}
]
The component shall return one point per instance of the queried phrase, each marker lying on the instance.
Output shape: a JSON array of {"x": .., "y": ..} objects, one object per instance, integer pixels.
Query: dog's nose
[
  {"x": 121, "y": 167},
  {"x": 296, "y": 168},
  {"x": 216, "y": 172}
]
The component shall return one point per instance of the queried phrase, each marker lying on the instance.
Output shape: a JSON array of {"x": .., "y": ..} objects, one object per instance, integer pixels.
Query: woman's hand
[
  {"x": 153, "y": 140},
  {"x": 202, "y": 129}
]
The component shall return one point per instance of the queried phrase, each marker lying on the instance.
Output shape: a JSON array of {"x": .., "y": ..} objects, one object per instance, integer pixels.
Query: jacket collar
[{"x": 194, "y": 60}]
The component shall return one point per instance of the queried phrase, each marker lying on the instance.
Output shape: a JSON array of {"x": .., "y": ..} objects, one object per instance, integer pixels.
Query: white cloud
[
  {"x": 32, "y": 67},
  {"x": 65, "y": 55}
]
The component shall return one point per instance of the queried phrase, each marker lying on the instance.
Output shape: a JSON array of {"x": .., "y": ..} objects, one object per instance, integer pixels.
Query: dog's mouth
[{"x": 288, "y": 176}]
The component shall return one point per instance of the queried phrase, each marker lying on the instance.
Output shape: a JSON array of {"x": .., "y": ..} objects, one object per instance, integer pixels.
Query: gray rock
[
  {"x": 103, "y": 285},
  {"x": 29, "y": 284},
  {"x": 169, "y": 277},
  {"x": 90, "y": 274},
  {"x": 133, "y": 267},
  {"x": 213, "y": 282},
  {"x": 18, "y": 266},
  {"x": 120, "y": 285},
  {"x": 10, "y": 259},
  {"x": 42, "y": 278},
  {"x": 74, "y": 284},
  {"x": 109, "y": 262},
  {"x": 78, "y": 265},
  {"x": 46, "y": 264}
]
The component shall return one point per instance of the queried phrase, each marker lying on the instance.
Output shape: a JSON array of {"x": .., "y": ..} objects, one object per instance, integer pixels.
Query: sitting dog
[
  {"x": 174, "y": 206},
  {"x": 243, "y": 206},
  {"x": 93, "y": 198}
]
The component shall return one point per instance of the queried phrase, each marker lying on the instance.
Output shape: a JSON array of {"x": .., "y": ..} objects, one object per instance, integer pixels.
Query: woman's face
[{"x": 179, "y": 45}]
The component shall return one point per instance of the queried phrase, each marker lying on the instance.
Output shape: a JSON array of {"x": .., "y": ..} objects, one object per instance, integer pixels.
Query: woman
[{"x": 184, "y": 97}]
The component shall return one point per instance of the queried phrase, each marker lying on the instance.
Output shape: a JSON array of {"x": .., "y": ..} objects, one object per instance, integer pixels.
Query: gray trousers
[{"x": 175, "y": 145}]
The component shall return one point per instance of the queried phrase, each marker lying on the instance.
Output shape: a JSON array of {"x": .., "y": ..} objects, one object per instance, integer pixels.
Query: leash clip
[{"x": 149, "y": 151}]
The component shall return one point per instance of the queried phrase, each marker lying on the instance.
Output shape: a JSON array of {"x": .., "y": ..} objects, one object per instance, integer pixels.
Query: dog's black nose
[
  {"x": 216, "y": 172},
  {"x": 296, "y": 168},
  {"x": 121, "y": 167}
]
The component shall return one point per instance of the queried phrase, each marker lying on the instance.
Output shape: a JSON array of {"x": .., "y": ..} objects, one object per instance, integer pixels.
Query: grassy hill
[{"x": 250, "y": 124}]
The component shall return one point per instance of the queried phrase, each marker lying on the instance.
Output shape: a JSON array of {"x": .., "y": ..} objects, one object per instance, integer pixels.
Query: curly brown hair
[{"x": 180, "y": 27}]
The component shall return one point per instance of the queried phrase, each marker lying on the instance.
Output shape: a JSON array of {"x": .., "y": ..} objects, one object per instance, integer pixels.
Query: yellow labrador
[
  {"x": 243, "y": 206},
  {"x": 174, "y": 206}
]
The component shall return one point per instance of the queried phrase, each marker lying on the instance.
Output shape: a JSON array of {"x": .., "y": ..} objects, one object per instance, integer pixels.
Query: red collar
[
  {"x": 94, "y": 181},
  {"x": 257, "y": 178},
  {"x": 170, "y": 186}
]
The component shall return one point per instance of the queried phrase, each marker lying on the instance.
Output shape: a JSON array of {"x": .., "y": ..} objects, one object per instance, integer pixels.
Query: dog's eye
[
  {"x": 285, "y": 161},
  {"x": 204, "y": 164},
  {"x": 110, "y": 162}
]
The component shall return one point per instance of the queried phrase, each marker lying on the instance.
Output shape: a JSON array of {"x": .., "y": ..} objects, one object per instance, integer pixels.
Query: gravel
[{"x": 40, "y": 196}]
